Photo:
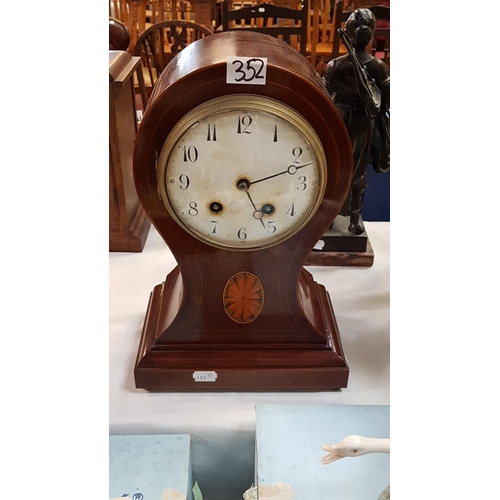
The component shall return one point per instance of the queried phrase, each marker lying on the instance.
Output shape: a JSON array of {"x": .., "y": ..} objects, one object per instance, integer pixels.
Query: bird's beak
[{"x": 332, "y": 456}]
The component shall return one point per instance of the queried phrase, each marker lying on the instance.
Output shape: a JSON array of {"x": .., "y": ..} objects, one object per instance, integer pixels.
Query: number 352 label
[{"x": 246, "y": 70}]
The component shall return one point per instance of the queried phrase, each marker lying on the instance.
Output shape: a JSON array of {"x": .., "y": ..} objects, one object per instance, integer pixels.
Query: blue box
[
  {"x": 144, "y": 467},
  {"x": 289, "y": 443}
]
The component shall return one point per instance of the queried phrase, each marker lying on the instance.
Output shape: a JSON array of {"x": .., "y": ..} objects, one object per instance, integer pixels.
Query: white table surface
[{"x": 222, "y": 425}]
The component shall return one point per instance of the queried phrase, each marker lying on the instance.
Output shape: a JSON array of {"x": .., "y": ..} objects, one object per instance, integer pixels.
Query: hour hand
[{"x": 243, "y": 185}]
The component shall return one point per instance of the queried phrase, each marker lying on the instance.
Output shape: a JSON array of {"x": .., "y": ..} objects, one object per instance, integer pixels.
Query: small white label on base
[
  {"x": 319, "y": 245},
  {"x": 205, "y": 376}
]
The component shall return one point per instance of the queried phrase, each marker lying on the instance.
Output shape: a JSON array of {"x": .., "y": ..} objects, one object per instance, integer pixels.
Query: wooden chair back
[
  {"x": 381, "y": 38},
  {"x": 320, "y": 44},
  {"x": 138, "y": 15},
  {"x": 197, "y": 11},
  {"x": 118, "y": 10},
  {"x": 325, "y": 20},
  {"x": 283, "y": 22},
  {"x": 381, "y": 44},
  {"x": 119, "y": 36},
  {"x": 158, "y": 44},
  {"x": 381, "y": 12},
  {"x": 205, "y": 13},
  {"x": 340, "y": 17}
]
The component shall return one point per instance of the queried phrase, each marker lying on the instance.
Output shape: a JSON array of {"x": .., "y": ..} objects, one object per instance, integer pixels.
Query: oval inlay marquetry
[{"x": 243, "y": 297}]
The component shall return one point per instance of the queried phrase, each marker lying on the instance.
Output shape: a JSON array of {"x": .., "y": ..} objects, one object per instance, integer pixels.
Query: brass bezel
[{"x": 244, "y": 102}]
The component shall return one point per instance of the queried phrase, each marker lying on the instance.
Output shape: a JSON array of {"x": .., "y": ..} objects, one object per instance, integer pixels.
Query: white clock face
[{"x": 242, "y": 173}]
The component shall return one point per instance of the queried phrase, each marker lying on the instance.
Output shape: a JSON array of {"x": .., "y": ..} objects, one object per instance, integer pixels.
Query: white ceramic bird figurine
[{"x": 354, "y": 446}]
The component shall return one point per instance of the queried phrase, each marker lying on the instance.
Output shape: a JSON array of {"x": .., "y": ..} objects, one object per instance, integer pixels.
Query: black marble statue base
[{"x": 339, "y": 247}]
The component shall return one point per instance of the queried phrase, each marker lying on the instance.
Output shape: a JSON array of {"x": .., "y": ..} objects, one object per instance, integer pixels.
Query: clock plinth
[
  {"x": 200, "y": 365},
  {"x": 339, "y": 247}
]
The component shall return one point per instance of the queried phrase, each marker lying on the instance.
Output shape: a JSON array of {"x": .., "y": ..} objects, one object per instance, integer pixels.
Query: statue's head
[{"x": 360, "y": 26}]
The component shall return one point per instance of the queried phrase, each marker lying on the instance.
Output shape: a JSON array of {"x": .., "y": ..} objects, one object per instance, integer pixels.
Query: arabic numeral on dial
[
  {"x": 214, "y": 222},
  {"x": 291, "y": 210},
  {"x": 243, "y": 124},
  {"x": 190, "y": 153},
  {"x": 184, "y": 182},
  {"x": 275, "y": 133},
  {"x": 242, "y": 235},
  {"x": 271, "y": 229},
  {"x": 193, "y": 208},
  {"x": 302, "y": 186},
  {"x": 296, "y": 153}
]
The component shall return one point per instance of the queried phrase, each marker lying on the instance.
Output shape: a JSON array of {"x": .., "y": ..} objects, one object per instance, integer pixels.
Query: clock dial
[{"x": 242, "y": 173}]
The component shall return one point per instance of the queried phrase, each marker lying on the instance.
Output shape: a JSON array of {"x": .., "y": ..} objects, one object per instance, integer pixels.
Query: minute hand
[{"x": 290, "y": 170}]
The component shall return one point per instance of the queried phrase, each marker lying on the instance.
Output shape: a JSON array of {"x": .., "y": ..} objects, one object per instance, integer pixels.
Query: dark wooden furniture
[
  {"x": 382, "y": 36},
  {"x": 136, "y": 18},
  {"x": 118, "y": 10},
  {"x": 381, "y": 47},
  {"x": 284, "y": 23},
  {"x": 319, "y": 46},
  {"x": 128, "y": 224},
  {"x": 381, "y": 12},
  {"x": 119, "y": 36},
  {"x": 158, "y": 44},
  {"x": 205, "y": 13},
  {"x": 293, "y": 343}
]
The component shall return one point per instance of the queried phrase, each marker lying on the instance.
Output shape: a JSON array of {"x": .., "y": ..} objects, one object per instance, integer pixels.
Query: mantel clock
[{"x": 241, "y": 162}]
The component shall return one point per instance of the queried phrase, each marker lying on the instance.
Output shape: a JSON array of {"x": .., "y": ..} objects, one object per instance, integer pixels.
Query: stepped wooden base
[{"x": 237, "y": 367}]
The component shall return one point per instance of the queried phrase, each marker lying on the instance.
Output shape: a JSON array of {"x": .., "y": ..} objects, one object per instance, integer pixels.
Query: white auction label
[
  {"x": 319, "y": 245},
  {"x": 205, "y": 376},
  {"x": 246, "y": 70}
]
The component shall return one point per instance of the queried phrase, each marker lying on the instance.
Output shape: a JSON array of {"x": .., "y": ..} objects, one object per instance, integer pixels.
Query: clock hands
[
  {"x": 243, "y": 185},
  {"x": 267, "y": 209},
  {"x": 292, "y": 169}
]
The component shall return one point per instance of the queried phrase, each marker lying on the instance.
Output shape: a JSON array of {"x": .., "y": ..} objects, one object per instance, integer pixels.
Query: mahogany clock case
[{"x": 294, "y": 343}]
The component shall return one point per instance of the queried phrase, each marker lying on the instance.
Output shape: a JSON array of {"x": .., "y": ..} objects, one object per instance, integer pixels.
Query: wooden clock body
[{"x": 189, "y": 341}]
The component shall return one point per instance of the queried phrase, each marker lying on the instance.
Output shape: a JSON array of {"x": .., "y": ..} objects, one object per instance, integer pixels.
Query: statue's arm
[
  {"x": 384, "y": 84},
  {"x": 329, "y": 78}
]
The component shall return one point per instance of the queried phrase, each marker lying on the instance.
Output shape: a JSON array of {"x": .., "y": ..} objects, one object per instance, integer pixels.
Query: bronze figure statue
[{"x": 360, "y": 87}]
